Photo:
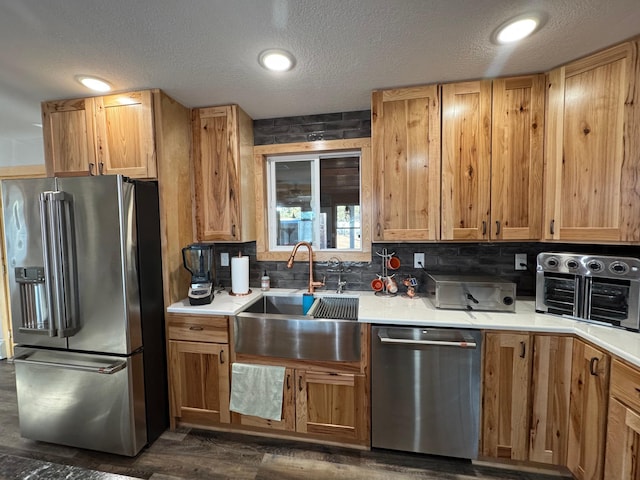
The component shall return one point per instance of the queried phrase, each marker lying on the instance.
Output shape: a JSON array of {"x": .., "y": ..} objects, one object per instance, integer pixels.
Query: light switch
[{"x": 224, "y": 259}]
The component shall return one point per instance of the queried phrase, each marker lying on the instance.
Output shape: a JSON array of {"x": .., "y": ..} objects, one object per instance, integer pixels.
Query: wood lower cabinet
[
  {"x": 622, "y": 459},
  {"x": 223, "y": 169},
  {"x": 505, "y": 399},
  {"x": 406, "y": 156},
  {"x": 592, "y": 141},
  {"x": 113, "y": 134},
  {"x": 588, "y": 411},
  {"x": 325, "y": 405},
  {"x": 550, "y": 394},
  {"x": 199, "y": 385}
]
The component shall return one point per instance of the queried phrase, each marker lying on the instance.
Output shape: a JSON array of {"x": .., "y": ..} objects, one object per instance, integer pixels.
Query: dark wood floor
[{"x": 191, "y": 454}]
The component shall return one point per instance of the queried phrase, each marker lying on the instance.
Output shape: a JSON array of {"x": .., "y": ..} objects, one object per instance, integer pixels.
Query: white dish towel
[{"x": 257, "y": 390}]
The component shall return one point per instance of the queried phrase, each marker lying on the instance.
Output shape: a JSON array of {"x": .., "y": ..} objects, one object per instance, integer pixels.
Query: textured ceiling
[{"x": 204, "y": 52}]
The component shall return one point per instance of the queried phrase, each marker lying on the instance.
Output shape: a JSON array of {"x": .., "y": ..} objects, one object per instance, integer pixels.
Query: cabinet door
[
  {"x": 592, "y": 149},
  {"x": 68, "y": 130},
  {"x": 288, "y": 422},
  {"x": 587, "y": 411},
  {"x": 216, "y": 173},
  {"x": 406, "y": 153},
  {"x": 505, "y": 403},
  {"x": 125, "y": 135},
  {"x": 199, "y": 382},
  {"x": 333, "y": 404},
  {"x": 466, "y": 160},
  {"x": 551, "y": 381},
  {"x": 517, "y": 158},
  {"x": 623, "y": 442}
]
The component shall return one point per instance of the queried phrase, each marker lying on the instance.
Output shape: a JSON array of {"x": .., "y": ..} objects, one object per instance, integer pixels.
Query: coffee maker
[{"x": 198, "y": 259}]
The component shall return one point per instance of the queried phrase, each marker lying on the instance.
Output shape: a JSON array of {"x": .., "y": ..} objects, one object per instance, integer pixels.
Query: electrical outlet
[
  {"x": 224, "y": 259},
  {"x": 521, "y": 261},
  {"x": 418, "y": 260}
]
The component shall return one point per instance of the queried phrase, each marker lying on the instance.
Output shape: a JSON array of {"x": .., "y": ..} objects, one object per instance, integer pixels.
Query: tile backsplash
[{"x": 479, "y": 258}]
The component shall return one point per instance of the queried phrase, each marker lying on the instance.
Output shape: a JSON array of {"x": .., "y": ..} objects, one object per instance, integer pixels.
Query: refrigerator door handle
[
  {"x": 59, "y": 251},
  {"x": 106, "y": 369}
]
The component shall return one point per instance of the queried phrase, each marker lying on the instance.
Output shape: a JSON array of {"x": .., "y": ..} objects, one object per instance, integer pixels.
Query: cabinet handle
[
  {"x": 300, "y": 383},
  {"x": 233, "y": 230},
  {"x": 593, "y": 365},
  {"x": 637, "y": 389},
  {"x": 378, "y": 229},
  {"x": 91, "y": 169},
  {"x": 497, "y": 227},
  {"x": 288, "y": 384},
  {"x": 484, "y": 228},
  {"x": 552, "y": 227},
  {"x": 101, "y": 168},
  {"x": 523, "y": 349},
  {"x": 222, "y": 357},
  {"x": 198, "y": 329}
]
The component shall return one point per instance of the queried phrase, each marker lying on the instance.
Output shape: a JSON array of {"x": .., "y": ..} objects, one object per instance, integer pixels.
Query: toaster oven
[{"x": 601, "y": 289}]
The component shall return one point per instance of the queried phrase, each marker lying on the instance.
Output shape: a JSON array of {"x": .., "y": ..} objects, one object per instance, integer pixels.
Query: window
[
  {"x": 314, "y": 198},
  {"x": 316, "y": 191}
]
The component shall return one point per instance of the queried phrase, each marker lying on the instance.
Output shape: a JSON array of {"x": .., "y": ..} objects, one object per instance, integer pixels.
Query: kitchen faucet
[{"x": 312, "y": 284}]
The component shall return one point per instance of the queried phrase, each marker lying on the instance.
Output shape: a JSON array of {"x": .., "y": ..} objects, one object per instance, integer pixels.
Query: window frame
[{"x": 321, "y": 148}]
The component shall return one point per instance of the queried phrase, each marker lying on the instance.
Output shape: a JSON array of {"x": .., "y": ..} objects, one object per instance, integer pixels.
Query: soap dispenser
[{"x": 265, "y": 282}]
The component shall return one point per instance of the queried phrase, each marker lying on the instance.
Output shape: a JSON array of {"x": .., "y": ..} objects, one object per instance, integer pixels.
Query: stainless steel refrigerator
[{"x": 85, "y": 281}]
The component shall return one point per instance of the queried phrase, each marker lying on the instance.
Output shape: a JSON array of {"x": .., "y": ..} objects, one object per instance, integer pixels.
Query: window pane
[
  {"x": 348, "y": 231},
  {"x": 294, "y": 206}
]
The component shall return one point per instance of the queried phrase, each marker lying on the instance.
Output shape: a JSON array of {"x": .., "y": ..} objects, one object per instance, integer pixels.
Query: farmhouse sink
[{"x": 275, "y": 327}]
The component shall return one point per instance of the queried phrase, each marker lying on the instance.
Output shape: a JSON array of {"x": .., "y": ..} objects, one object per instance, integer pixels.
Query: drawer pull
[
  {"x": 593, "y": 365},
  {"x": 222, "y": 357},
  {"x": 523, "y": 349},
  {"x": 197, "y": 329}
]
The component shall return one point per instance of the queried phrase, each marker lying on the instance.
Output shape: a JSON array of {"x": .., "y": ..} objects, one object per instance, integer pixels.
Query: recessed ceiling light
[
  {"x": 276, "y": 60},
  {"x": 517, "y": 29},
  {"x": 94, "y": 83}
]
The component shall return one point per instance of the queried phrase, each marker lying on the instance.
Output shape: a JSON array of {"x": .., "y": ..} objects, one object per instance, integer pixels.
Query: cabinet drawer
[
  {"x": 198, "y": 328},
  {"x": 625, "y": 384}
]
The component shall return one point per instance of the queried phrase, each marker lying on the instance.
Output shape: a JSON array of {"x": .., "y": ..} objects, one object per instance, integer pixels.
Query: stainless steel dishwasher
[{"x": 425, "y": 390}]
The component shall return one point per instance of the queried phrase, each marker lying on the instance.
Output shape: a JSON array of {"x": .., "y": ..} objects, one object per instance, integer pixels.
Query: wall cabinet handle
[
  {"x": 552, "y": 227},
  {"x": 91, "y": 165},
  {"x": 497, "y": 227},
  {"x": 288, "y": 384},
  {"x": 101, "y": 168},
  {"x": 300, "y": 383},
  {"x": 233, "y": 230},
  {"x": 523, "y": 349},
  {"x": 378, "y": 229},
  {"x": 222, "y": 357},
  {"x": 484, "y": 228},
  {"x": 593, "y": 364}
]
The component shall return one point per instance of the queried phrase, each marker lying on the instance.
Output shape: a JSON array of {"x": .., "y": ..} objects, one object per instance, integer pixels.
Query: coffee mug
[
  {"x": 393, "y": 263},
  {"x": 392, "y": 286},
  {"x": 377, "y": 284}
]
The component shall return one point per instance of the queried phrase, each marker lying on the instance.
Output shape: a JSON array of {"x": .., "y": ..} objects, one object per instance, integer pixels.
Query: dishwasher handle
[{"x": 385, "y": 338}]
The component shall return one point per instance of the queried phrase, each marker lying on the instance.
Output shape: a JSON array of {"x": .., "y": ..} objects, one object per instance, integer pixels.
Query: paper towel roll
[{"x": 240, "y": 275}]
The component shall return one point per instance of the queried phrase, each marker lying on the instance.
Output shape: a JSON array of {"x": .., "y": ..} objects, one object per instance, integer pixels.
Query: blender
[{"x": 198, "y": 259}]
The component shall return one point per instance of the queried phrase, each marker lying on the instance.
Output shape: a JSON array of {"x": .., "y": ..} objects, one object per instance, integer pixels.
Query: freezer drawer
[{"x": 81, "y": 400}]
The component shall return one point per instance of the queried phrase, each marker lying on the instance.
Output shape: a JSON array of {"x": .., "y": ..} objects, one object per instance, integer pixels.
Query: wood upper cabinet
[
  {"x": 550, "y": 385},
  {"x": 223, "y": 174},
  {"x": 113, "y": 134},
  {"x": 406, "y": 157},
  {"x": 592, "y": 145},
  {"x": 199, "y": 385},
  {"x": 505, "y": 399},
  {"x": 588, "y": 411},
  {"x": 466, "y": 160},
  {"x": 125, "y": 139},
  {"x": 623, "y": 425},
  {"x": 69, "y": 140},
  {"x": 492, "y": 159},
  {"x": 517, "y": 151}
]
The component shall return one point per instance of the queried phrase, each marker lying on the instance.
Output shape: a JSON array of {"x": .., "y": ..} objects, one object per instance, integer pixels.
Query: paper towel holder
[{"x": 231, "y": 292}]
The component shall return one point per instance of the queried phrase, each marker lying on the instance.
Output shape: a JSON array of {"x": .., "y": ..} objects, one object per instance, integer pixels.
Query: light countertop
[{"x": 419, "y": 311}]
